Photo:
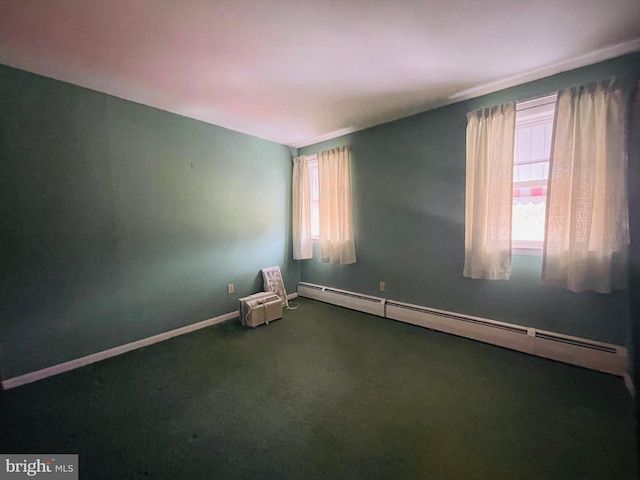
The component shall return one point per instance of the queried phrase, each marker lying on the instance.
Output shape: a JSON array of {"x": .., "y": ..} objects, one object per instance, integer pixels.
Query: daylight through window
[
  {"x": 532, "y": 149},
  {"x": 315, "y": 197}
]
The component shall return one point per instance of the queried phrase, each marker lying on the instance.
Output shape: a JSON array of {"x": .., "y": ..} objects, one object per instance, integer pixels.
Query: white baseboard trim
[{"x": 112, "y": 352}]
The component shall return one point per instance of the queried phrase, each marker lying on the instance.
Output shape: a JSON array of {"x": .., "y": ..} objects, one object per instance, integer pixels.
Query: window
[
  {"x": 334, "y": 230},
  {"x": 315, "y": 197},
  {"x": 510, "y": 173},
  {"x": 532, "y": 149}
]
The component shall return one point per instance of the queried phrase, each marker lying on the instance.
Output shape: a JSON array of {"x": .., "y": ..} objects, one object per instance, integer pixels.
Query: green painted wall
[
  {"x": 121, "y": 221},
  {"x": 408, "y": 180}
]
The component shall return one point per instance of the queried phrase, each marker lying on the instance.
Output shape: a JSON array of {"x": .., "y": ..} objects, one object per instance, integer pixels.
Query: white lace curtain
[
  {"x": 489, "y": 192},
  {"x": 336, "y": 242},
  {"x": 587, "y": 230},
  {"x": 301, "y": 209},
  {"x": 336, "y": 237}
]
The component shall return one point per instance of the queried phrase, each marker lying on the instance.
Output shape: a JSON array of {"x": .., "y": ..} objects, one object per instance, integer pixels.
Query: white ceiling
[{"x": 300, "y": 71}]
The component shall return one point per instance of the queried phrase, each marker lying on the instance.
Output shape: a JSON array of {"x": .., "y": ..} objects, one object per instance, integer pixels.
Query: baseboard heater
[
  {"x": 603, "y": 357},
  {"x": 343, "y": 298}
]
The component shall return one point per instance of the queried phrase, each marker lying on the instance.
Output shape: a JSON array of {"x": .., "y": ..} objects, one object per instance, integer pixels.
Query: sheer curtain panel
[
  {"x": 489, "y": 192},
  {"x": 587, "y": 225},
  {"x": 336, "y": 238},
  {"x": 301, "y": 210}
]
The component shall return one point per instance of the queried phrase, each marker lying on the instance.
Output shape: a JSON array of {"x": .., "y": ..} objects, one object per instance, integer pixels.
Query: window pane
[
  {"x": 528, "y": 221},
  {"x": 538, "y": 144},
  {"x": 315, "y": 199},
  {"x": 534, "y": 131},
  {"x": 313, "y": 173},
  {"x": 538, "y": 170},
  {"x": 521, "y": 173},
  {"x": 523, "y": 145}
]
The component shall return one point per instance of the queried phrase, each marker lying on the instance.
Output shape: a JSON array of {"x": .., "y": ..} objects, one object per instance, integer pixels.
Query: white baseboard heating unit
[
  {"x": 582, "y": 352},
  {"x": 343, "y": 298},
  {"x": 260, "y": 308}
]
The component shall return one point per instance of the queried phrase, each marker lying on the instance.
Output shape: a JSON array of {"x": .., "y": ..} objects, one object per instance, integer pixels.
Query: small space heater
[{"x": 260, "y": 308}]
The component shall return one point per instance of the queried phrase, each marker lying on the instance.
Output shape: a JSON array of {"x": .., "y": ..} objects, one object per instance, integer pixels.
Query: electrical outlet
[
  {"x": 383, "y": 286},
  {"x": 230, "y": 289}
]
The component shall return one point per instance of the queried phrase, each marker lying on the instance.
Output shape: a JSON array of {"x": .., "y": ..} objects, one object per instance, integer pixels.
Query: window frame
[{"x": 537, "y": 114}]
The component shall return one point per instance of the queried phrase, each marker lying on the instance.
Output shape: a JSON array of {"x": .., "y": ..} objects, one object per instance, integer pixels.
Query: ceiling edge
[
  {"x": 553, "y": 69},
  {"x": 491, "y": 87}
]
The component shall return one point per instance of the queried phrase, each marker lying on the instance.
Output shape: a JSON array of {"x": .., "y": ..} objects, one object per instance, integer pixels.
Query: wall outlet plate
[
  {"x": 383, "y": 286},
  {"x": 230, "y": 289}
]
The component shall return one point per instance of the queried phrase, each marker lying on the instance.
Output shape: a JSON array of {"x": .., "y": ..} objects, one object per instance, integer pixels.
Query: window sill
[{"x": 533, "y": 251}]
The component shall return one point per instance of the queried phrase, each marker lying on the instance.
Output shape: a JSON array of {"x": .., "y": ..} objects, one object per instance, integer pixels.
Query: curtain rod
[{"x": 611, "y": 81}]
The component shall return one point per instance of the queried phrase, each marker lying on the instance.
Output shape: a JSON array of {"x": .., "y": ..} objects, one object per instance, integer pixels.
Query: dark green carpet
[{"x": 327, "y": 393}]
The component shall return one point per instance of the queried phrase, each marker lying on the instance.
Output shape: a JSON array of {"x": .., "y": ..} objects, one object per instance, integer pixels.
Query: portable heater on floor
[{"x": 260, "y": 308}]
